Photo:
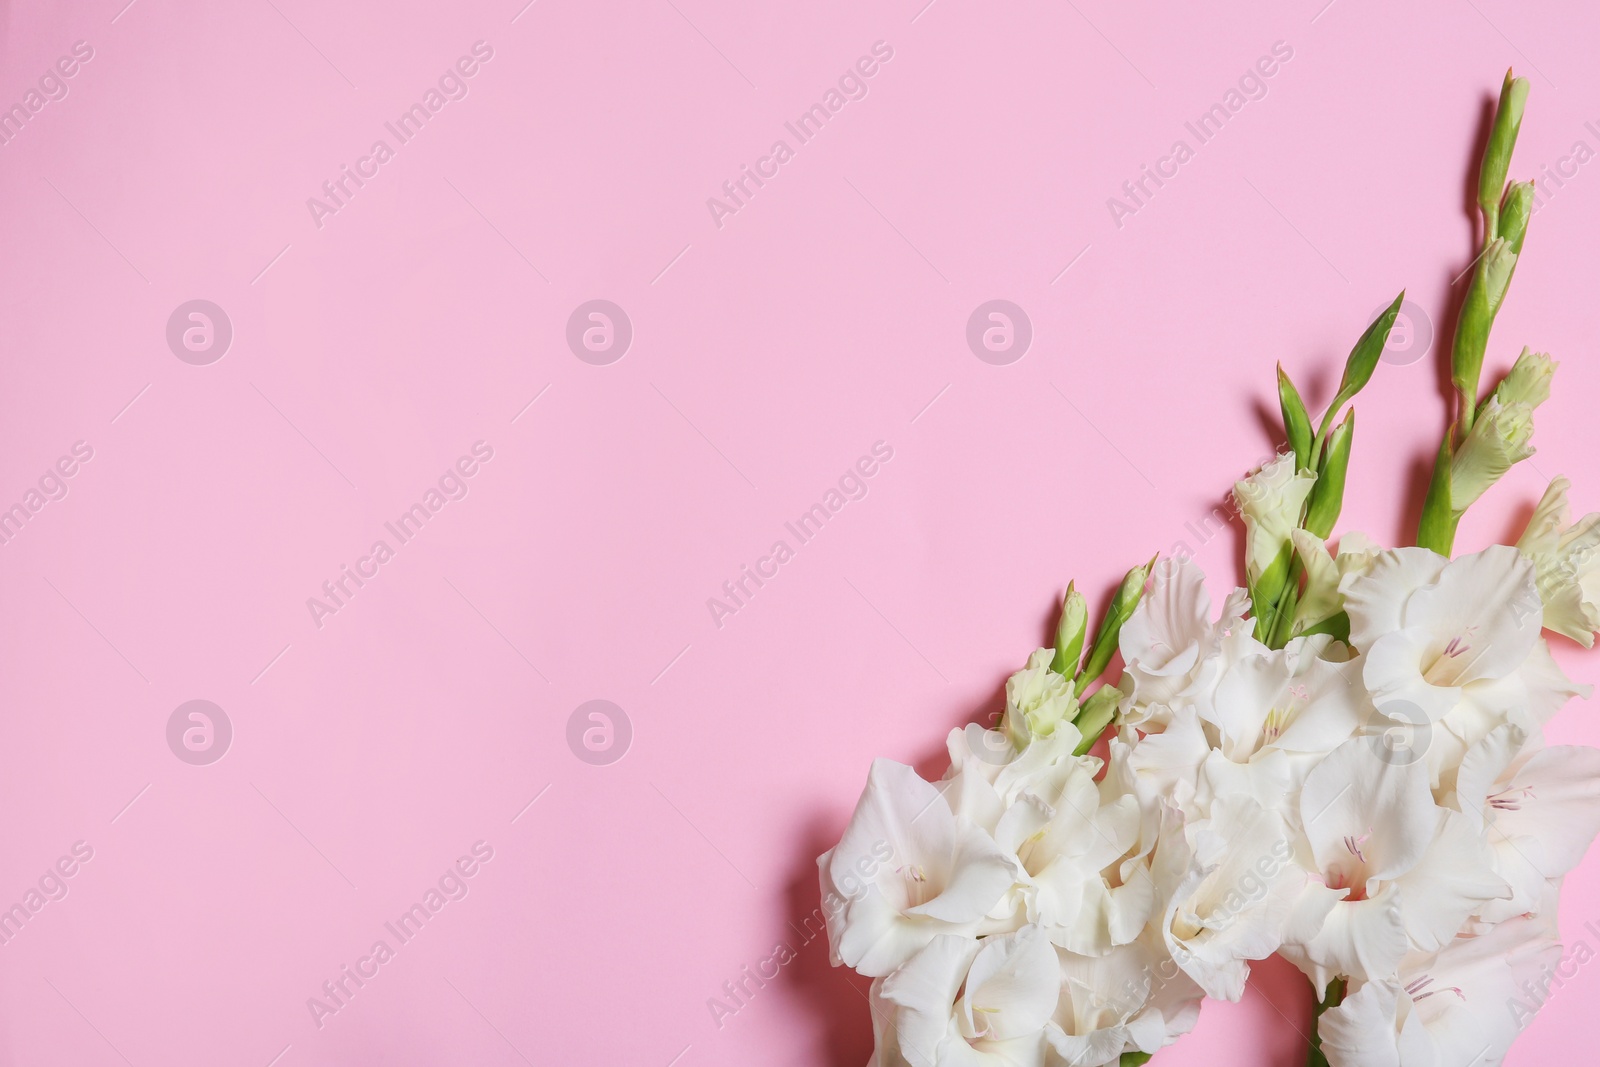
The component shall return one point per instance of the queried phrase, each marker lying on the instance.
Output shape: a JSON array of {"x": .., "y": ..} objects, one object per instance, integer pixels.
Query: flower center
[
  {"x": 917, "y": 889},
  {"x": 1511, "y": 798},
  {"x": 1419, "y": 989},
  {"x": 1452, "y": 662},
  {"x": 1352, "y": 874}
]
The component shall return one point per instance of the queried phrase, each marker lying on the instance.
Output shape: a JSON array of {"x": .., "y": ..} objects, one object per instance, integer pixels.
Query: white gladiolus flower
[
  {"x": 1228, "y": 893},
  {"x": 1267, "y": 717},
  {"x": 1566, "y": 560},
  {"x": 1397, "y": 871},
  {"x": 1164, "y": 767},
  {"x": 1277, "y": 712},
  {"x": 943, "y": 874},
  {"x": 1459, "y": 1007},
  {"x": 1434, "y": 630},
  {"x": 1070, "y": 845},
  {"x": 1270, "y": 501},
  {"x": 1134, "y": 998},
  {"x": 1171, "y": 645},
  {"x": 1539, "y": 809},
  {"x": 965, "y": 1003},
  {"x": 1015, "y": 1000},
  {"x": 1452, "y": 647},
  {"x": 988, "y": 774}
]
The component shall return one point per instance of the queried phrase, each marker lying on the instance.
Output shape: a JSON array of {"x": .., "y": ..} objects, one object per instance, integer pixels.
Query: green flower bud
[
  {"x": 1296, "y": 422},
  {"x": 1270, "y": 501},
  {"x": 1485, "y": 293},
  {"x": 1070, "y": 632},
  {"x": 1528, "y": 381},
  {"x": 1364, "y": 358},
  {"x": 1515, "y": 210},
  {"x": 1497, "y": 155},
  {"x": 1105, "y": 639},
  {"x": 1501, "y": 437},
  {"x": 1497, "y": 267},
  {"x": 1096, "y": 715}
]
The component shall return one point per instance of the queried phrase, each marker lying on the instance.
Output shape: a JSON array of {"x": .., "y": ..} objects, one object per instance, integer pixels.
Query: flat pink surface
[{"x": 376, "y": 340}]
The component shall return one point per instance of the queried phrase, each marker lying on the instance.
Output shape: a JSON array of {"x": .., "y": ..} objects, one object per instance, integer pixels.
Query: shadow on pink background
[{"x": 379, "y": 340}]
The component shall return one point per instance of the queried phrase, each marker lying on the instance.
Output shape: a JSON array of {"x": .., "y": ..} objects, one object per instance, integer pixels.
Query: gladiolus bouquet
[{"x": 1345, "y": 768}]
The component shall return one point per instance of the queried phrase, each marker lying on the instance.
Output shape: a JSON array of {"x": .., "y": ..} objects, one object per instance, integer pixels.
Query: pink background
[{"x": 768, "y": 354}]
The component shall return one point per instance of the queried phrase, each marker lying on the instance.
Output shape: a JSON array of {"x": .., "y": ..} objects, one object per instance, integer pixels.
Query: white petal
[
  {"x": 1393, "y": 670},
  {"x": 1362, "y": 1030},
  {"x": 1012, "y": 986},
  {"x": 1363, "y": 939},
  {"x": 1451, "y": 881},
  {"x": 1489, "y": 602},
  {"x": 1558, "y": 814},
  {"x": 923, "y": 994},
  {"x": 1355, "y": 801},
  {"x": 1376, "y": 599}
]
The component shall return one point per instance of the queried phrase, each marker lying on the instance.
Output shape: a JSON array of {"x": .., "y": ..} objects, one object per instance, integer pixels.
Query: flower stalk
[{"x": 1506, "y": 210}]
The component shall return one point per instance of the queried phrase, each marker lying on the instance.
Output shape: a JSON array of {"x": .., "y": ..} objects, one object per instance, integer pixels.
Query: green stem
[
  {"x": 1336, "y": 990},
  {"x": 1283, "y": 614},
  {"x": 1437, "y": 529}
]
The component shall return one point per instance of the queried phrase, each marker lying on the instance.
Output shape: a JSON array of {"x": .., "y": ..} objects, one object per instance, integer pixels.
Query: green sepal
[
  {"x": 1336, "y": 626},
  {"x": 1296, "y": 422},
  {"x": 1095, "y": 715},
  {"x": 1267, "y": 589},
  {"x": 1515, "y": 211},
  {"x": 1363, "y": 359},
  {"x": 1472, "y": 329},
  {"x": 1327, "y": 495}
]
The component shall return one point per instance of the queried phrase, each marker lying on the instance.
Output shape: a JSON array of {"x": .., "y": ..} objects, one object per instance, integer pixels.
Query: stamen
[
  {"x": 1510, "y": 799},
  {"x": 1447, "y": 989}
]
